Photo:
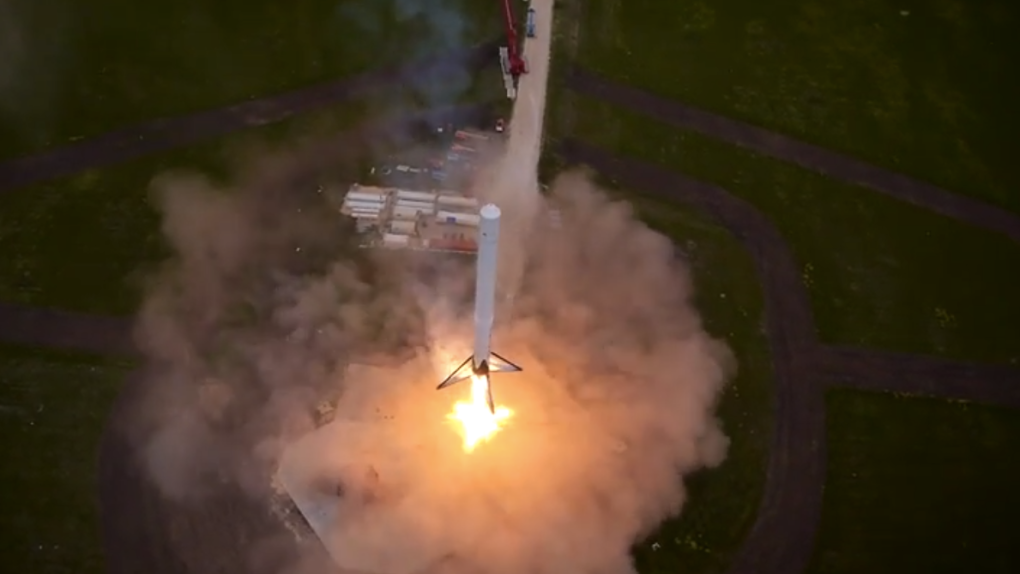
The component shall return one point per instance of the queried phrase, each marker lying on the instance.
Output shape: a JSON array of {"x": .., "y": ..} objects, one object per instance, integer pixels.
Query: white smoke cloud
[{"x": 262, "y": 311}]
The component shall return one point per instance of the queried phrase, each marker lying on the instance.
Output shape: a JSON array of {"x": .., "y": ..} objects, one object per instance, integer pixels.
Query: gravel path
[
  {"x": 913, "y": 374},
  {"x": 168, "y": 133},
  {"x": 779, "y": 146},
  {"x": 65, "y": 330}
]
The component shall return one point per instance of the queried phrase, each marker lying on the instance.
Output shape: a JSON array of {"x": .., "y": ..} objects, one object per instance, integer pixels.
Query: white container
[
  {"x": 361, "y": 210},
  {"x": 404, "y": 227},
  {"x": 458, "y": 218},
  {"x": 396, "y": 240},
  {"x": 457, "y": 200},
  {"x": 415, "y": 195},
  {"x": 363, "y": 196}
]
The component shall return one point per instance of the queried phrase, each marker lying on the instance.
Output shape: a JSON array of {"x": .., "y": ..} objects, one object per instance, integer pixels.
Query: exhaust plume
[{"x": 264, "y": 309}]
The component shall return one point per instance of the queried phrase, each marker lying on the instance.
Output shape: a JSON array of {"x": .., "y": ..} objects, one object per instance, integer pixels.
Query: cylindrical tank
[
  {"x": 395, "y": 240},
  {"x": 405, "y": 227},
  {"x": 458, "y": 200},
  {"x": 365, "y": 196},
  {"x": 416, "y": 195},
  {"x": 424, "y": 206},
  {"x": 458, "y": 218}
]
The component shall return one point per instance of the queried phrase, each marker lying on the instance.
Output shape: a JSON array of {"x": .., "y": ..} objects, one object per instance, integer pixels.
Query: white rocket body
[
  {"x": 483, "y": 360},
  {"x": 485, "y": 281}
]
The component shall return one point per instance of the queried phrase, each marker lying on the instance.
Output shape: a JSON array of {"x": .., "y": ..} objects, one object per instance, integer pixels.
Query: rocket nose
[{"x": 490, "y": 211}]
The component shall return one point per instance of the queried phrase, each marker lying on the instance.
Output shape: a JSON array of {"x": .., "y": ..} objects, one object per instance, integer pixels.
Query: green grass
[
  {"x": 83, "y": 242},
  {"x": 723, "y": 502},
  {"x": 72, "y": 70},
  {"x": 52, "y": 412},
  {"x": 918, "y": 485},
  {"x": 881, "y": 273},
  {"x": 931, "y": 93}
]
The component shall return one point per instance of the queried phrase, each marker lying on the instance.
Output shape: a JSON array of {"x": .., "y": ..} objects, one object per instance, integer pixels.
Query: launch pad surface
[{"x": 348, "y": 480}]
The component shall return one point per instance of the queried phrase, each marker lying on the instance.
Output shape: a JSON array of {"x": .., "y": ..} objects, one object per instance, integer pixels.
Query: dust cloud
[{"x": 265, "y": 309}]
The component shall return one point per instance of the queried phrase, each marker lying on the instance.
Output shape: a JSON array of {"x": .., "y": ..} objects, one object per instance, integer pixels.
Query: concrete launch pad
[
  {"x": 379, "y": 485},
  {"x": 347, "y": 479}
]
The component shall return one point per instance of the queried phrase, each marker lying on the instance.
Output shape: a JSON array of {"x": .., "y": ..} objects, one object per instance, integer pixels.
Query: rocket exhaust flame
[
  {"x": 478, "y": 418},
  {"x": 483, "y": 362}
]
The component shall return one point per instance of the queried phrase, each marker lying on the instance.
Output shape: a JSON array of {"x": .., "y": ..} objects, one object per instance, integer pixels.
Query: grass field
[
  {"x": 52, "y": 410},
  {"x": 881, "y": 273},
  {"x": 918, "y": 485},
  {"x": 70, "y": 71},
  {"x": 924, "y": 87},
  {"x": 723, "y": 502}
]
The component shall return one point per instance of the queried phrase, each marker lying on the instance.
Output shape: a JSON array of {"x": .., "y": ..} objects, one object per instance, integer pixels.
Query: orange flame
[{"x": 477, "y": 423}]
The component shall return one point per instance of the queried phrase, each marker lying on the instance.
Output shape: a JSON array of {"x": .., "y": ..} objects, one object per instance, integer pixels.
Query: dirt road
[
  {"x": 65, "y": 330},
  {"x": 168, "y": 133},
  {"x": 791, "y": 150},
  {"x": 912, "y": 374}
]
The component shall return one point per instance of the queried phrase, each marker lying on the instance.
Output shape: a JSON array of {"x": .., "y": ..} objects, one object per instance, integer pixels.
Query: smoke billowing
[{"x": 264, "y": 310}]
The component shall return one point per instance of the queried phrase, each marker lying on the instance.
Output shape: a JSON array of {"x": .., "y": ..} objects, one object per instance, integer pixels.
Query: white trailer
[
  {"x": 457, "y": 200},
  {"x": 458, "y": 218},
  {"x": 364, "y": 196},
  {"x": 396, "y": 240},
  {"x": 415, "y": 195}
]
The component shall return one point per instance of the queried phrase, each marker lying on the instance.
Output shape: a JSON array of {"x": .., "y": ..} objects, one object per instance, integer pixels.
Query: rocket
[{"x": 484, "y": 361}]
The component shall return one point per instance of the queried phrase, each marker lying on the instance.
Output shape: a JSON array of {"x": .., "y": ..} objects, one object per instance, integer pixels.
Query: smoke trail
[
  {"x": 263, "y": 309},
  {"x": 411, "y": 29}
]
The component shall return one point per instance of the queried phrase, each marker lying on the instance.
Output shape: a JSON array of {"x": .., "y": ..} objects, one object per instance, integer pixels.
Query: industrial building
[{"x": 399, "y": 218}]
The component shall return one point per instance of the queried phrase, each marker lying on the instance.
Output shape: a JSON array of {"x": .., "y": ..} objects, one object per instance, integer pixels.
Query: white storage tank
[
  {"x": 458, "y": 200},
  {"x": 458, "y": 218},
  {"x": 403, "y": 227},
  {"x": 416, "y": 195},
  {"x": 396, "y": 240}
]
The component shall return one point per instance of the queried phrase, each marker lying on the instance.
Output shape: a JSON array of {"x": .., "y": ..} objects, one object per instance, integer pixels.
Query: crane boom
[{"x": 516, "y": 63}]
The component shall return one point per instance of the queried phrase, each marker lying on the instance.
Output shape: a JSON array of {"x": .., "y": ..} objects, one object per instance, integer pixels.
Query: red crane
[{"x": 516, "y": 63}]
